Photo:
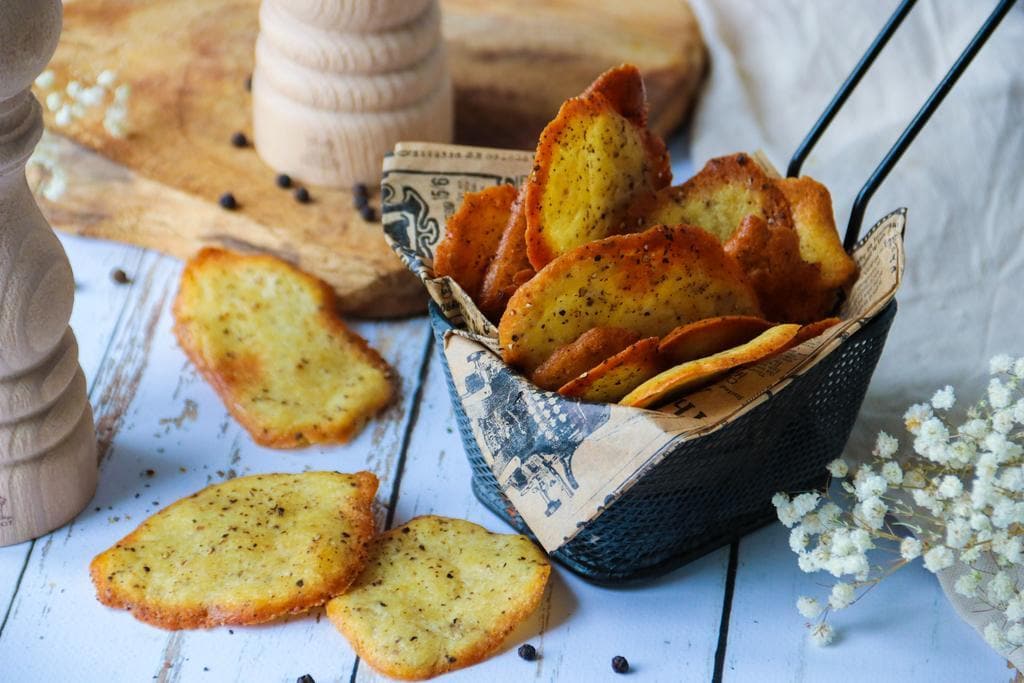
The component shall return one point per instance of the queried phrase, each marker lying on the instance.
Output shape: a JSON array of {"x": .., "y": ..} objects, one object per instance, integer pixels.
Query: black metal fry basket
[{"x": 707, "y": 492}]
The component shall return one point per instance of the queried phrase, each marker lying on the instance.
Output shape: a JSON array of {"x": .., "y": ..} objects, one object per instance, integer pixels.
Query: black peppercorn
[
  {"x": 528, "y": 652},
  {"x": 227, "y": 201},
  {"x": 368, "y": 214},
  {"x": 360, "y": 195},
  {"x": 239, "y": 139},
  {"x": 119, "y": 276},
  {"x": 305, "y": 678},
  {"x": 284, "y": 180},
  {"x": 302, "y": 196},
  {"x": 619, "y": 664}
]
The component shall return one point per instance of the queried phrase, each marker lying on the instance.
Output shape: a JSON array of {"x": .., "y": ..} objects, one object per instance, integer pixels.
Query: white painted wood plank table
[{"x": 163, "y": 432}]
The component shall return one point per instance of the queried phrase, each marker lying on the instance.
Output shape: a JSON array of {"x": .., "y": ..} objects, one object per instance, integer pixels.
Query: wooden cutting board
[
  {"x": 515, "y": 61},
  {"x": 187, "y": 63}
]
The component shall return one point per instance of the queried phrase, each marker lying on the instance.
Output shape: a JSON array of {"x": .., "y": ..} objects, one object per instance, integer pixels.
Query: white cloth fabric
[{"x": 775, "y": 65}]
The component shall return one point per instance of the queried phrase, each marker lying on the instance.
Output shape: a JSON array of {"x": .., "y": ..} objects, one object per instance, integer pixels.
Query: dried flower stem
[{"x": 959, "y": 494}]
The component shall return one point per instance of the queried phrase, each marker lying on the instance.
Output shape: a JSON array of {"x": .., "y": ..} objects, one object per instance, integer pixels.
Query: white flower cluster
[
  {"x": 958, "y": 497},
  {"x": 77, "y": 99},
  {"x": 53, "y": 181}
]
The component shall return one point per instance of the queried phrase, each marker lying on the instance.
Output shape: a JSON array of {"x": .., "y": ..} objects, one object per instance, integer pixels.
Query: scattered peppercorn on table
[{"x": 164, "y": 434}]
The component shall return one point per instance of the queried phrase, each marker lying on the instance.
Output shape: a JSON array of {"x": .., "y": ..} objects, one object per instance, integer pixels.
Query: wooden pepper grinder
[
  {"x": 338, "y": 82},
  {"x": 47, "y": 442}
]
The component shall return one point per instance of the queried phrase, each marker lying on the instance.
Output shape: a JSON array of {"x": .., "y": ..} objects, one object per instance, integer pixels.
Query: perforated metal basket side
[{"x": 710, "y": 490}]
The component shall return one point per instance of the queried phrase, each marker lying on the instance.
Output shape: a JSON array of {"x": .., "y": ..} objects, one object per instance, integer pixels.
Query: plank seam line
[
  {"x": 17, "y": 585},
  {"x": 117, "y": 325},
  {"x": 723, "y": 624},
  {"x": 414, "y": 416}
]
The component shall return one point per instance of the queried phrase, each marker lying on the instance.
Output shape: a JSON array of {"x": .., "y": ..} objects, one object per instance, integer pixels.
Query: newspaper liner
[{"x": 598, "y": 451}]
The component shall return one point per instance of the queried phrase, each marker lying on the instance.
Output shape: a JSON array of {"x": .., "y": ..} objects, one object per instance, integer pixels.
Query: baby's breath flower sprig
[
  {"x": 77, "y": 98},
  {"x": 955, "y": 496}
]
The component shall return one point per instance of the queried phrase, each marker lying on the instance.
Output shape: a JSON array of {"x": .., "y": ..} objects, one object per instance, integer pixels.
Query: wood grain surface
[{"x": 187, "y": 62}]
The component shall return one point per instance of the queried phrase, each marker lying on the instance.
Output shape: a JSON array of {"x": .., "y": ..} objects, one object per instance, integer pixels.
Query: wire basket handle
[{"x": 920, "y": 119}]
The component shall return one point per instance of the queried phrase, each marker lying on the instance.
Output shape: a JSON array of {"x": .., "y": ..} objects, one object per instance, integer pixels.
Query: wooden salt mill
[
  {"x": 338, "y": 82},
  {"x": 47, "y": 442}
]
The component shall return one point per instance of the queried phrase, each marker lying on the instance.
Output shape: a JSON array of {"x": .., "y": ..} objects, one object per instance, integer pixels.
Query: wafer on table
[
  {"x": 242, "y": 552},
  {"x": 269, "y": 339},
  {"x": 439, "y": 594}
]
